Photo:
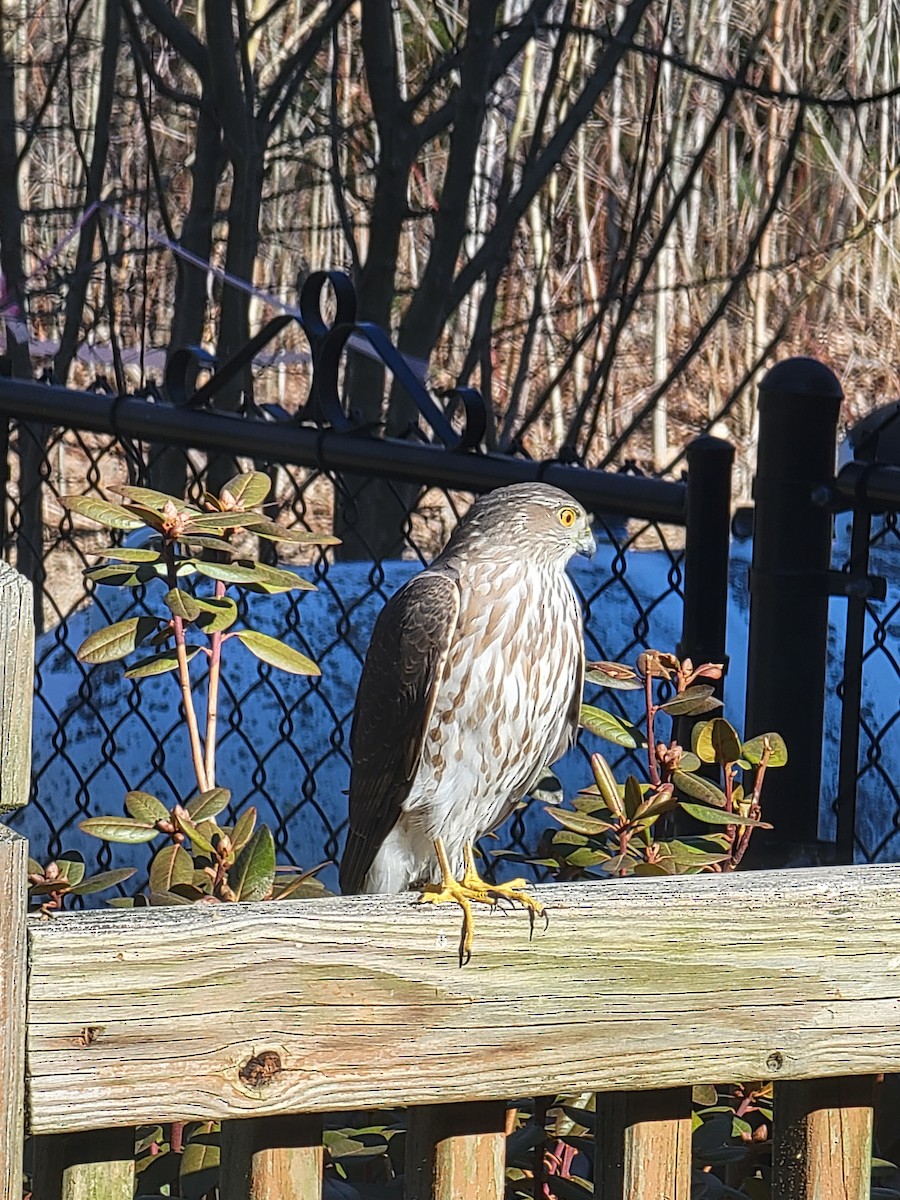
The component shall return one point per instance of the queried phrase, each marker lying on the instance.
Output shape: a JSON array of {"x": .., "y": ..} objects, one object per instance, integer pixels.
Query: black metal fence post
[
  {"x": 799, "y": 404},
  {"x": 707, "y": 542},
  {"x": 706, "y": 548}
]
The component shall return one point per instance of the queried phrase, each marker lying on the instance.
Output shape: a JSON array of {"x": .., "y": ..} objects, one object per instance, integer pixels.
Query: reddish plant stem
[
  {"x": 212, "y": 698},
  {"x": 755, "y": 810},
  {"x": 184, "y": 679},
  {"x": 652, "y": 766},
  {"x": 624, "y": 838}
]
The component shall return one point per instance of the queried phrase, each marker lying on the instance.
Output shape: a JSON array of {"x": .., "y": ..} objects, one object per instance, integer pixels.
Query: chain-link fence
[
  {"x": 863, "y": 782},
  {"x": 282, "y": 738}
]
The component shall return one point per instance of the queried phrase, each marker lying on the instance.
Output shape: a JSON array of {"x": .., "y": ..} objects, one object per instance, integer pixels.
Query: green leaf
[
  {"x": 567, "y": 837},
  {"x": 130, "y": 554},
  {"x": 256, "y": 576},
  {"x": 158, "y": 664},
  {"x": 150, "y": 517},
  {"x": 71, "y": 866},
  {"x": 197, "y": 835},
  {"x": 115, "y": 641},
  {"x": 693, "y": 700},
  {"x": 655, "y": 870},
  {"x": 219, "y": 522},
  {"x": 687, "y": 854},
  {"x": 606, "y": 784},
  {"x": 119, "y": 829},
  {"x": 216, "y": 614},
  {"x": 717, "y": 816},
  {"x": 740, "y": 1127},
  {"x": 171, "y": 865},
  {"x": 206, "y": 805},
  {"x": 98, "y": 883},
  {"x": 689, "y": 762},
  {"x": 243, "y": 829},
  {"x": 182, "y": 604},
  {"x": 753, "y": 750},
  {"x": 253, "y": 874},
  {"x": 605, "y": 725},
  {"x": 276, "y": 653},
  {"x": 616, "y": 676},
  {"x": 589, "y": 802},
  {"x": 247, "y": 489},
  {"x": 146, "y": 808},
  {"x": 716, "y": 741},
  {"x": 632, "y": 796},
  {"x": 585, "y": 857},
  {"x": 150, "y": 498},
  {"x": 146, "y": 1135},
  {"x": 300, "y": 887},
  {"x": 113, "y": 516},
  {"x": 61, "y": 884},
  {"x": 158, "y": 899},
  {"x": 579, "y": 822},
  {"x": 653, "y": 805},
  {"x": 700, "y": 788},
  {"x": 199, "y": 1168},
  {"x": 296, "y": 537},
  {"x": 208, "y": 543},
  {"x": 124, "y": 574},
  {"x": 585, "y": 1117}
]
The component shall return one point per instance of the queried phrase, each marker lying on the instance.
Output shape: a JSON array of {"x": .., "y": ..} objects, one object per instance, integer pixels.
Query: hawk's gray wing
[{"x": 393, "y": 711}]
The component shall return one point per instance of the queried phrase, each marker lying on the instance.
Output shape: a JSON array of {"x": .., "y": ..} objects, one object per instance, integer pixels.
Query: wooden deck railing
[
  {"x": 250, "y": 1014},
  {"x": 265, "y": 1016}
]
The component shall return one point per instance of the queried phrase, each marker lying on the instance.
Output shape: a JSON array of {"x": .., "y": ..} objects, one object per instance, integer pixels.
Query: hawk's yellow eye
[{"x": 567, "y": 517}]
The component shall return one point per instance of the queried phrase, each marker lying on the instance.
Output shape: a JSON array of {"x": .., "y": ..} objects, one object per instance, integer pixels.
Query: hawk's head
[{"x": 530, "y": 521}]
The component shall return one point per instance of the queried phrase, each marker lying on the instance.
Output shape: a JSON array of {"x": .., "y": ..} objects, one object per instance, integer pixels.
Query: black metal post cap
[{"x": 802, "y": 377}]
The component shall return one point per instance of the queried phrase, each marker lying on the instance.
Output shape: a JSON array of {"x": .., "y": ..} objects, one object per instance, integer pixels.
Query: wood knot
[{"x": 260, "y": 1069}]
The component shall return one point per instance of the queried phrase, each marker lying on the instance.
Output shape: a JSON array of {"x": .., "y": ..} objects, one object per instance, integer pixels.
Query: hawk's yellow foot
[{"x": 473, "y": 889}]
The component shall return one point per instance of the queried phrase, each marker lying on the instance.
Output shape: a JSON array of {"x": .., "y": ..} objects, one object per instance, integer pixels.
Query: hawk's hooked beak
[{"x": 586, "y": 543}]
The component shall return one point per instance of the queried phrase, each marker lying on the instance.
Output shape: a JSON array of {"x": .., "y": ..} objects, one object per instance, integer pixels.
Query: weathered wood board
[
  {"x": 13, "y": 893},
  {"x": 238, "y": 1010},
  {"x": 16, "y": 686}
]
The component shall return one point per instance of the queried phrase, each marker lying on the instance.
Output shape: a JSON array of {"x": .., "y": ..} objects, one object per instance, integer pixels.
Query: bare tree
[{"x": 606, "y": 218}]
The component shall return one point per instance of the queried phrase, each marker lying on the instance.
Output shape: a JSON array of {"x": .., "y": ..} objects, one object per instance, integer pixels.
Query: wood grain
[
  {"x": 16, "y": 686},
  {"x": 229, "y": 1011},
  {"x": 456, "y": 1150},
  {"x": 272, "y": 1158},
  {"x": 99, "y": 1165},
  {"x": 823, "y": 1139},
  {"x": 13, "y": 965},
  {"x": 643, "y": 1147}
]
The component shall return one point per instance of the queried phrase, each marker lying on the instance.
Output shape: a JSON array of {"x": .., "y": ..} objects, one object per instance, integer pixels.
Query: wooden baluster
[
  {"x": 823, "y": 1138},
  {"x": 13, "y": 964},
  {"x": 97, "y": 1165},
  {"x": 16, "y": 686},
  {"x": 456, "y": 1151},
  {"x": 643, "y": 1145},
  {"x": 272, "y": 1158}
]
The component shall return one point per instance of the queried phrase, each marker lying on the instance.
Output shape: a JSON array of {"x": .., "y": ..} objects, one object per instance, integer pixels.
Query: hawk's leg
[{"x": 473, "y": 889}]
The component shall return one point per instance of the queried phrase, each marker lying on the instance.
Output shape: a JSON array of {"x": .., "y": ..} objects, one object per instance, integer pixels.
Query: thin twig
[
  {"x": 212, "y": 699},
  {"x": 184, "y": 679}
]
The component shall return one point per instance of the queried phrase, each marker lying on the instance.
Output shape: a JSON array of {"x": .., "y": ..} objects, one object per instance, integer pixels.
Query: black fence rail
[
  {"x": 660, "y": 577},
  {"x": 824, "y": 647}
]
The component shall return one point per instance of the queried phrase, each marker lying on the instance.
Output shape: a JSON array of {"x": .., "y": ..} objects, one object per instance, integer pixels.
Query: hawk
[{"x": 471, "y": 687}]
